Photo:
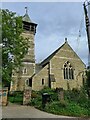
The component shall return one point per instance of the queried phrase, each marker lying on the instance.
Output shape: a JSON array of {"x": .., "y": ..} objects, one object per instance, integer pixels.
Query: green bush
[
  {"x": 37, "y": 97},
  {"x": 34, "y": 94},
  {"x": 16, "y": 97},
  {"x": 75, "y": 110},
  {"x": 46, "y": 90},
  {"x": 75, "y": 103},
  {"x": 63, "y": 108},
  {"x": 54, "y": 107},
  {"x": 72, "y": 95},
  {"x": 36, "y": 101},
  {"x": 53, "y": 94},
  {"x": 78, "y": 96}
]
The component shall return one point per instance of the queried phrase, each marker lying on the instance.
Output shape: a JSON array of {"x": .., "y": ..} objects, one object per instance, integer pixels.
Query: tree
[
  {"x": 87, "y": 83},
  {"x": 14, "y": 46},
  {"x": 88, "y": 78}
]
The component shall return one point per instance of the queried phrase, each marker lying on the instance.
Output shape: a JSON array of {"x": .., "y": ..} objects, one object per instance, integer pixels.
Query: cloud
[
  {"x": 56, "y": 20},
  {"x": 43, "y": 1},
  {"x": 63, "y": 18}
]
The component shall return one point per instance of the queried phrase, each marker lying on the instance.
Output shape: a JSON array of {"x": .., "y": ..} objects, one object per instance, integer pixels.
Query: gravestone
[
  {"x": 60, "y": 93},
  {"x": 3, "y": 96},
  {"x": 27, "y": 95}
]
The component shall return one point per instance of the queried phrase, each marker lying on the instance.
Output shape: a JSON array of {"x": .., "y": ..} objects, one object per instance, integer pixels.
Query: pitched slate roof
[
  {"x": 44, "y": 62},
  {"x": 26, "y": 18}
]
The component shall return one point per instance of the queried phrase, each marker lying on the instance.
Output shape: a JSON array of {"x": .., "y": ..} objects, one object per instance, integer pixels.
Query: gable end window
[{"x": 68, "y": 71}]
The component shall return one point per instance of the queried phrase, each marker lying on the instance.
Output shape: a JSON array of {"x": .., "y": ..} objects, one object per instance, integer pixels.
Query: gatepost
[
  {"x": 27, "y": 95},
  {"x": 3, "y": 96}
]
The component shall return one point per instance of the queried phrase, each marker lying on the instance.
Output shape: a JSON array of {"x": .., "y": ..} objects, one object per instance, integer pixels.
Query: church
[{"x": 62, "y": 69}]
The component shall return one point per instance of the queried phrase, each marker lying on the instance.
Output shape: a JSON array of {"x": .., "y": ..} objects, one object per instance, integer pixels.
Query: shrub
[
  {"x": 63, "y": 103},
  {"x": 37, "y": 101},
  {"x": 55, "y": 106},
  {"x": 78, "y": 96},
  {"x": 76, "y": 102},
  {"x": 46, "y": 90},
  {"x": 16, "y": 97},
  {"x": 34, "y": 94},
  {"x": 54, "y": 96},
  {"x": 51, "y": 92},
  {"x": 72, "y": 95},
  {"x": 75, "y": 110},
  {"x": 63, "y": 108}
]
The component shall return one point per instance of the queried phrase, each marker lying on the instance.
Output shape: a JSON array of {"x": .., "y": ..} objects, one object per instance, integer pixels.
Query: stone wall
[
  {"x": 56, "y": 68},
  {"x": 19, "y": 79},
  {"x": 31, "y": 53},
  {"x": 37, "y": 79},
  {"x": 41, "y": 78},
  {"x": 27, "y": 69},
  {"x": 57, "y": 62}
]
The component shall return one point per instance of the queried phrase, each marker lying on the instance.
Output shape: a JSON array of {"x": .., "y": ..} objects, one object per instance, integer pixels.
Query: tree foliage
[
  {"x": 88, "y": 78},
  {"x": 87, "y": 85},
  {"x": 14, "y": 46}
]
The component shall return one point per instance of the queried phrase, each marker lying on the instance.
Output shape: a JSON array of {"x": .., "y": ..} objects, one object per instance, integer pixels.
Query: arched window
[
  {"x": 24, "y": 70},
  {"x": 42, "y": 81},
  {"x": 68, "y": 71},
  {"x": 72, "y": 75},
  {"x": 64, "y": 73}
]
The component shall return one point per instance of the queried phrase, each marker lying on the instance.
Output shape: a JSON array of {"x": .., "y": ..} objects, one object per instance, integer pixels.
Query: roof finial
[
  {"x": 26, "y": 10},
  {"x": 65, "y": 40}
]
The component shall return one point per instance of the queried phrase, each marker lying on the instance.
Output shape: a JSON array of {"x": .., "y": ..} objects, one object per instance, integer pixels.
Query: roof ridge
[
  {"x": 45, "y": 61},
  {"x": 26, "y": 18},
  {"x": 51, "y": 55}
]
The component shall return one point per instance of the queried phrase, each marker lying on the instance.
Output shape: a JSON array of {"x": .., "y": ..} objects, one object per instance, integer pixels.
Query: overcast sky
[{"x": 56, "y": 21}]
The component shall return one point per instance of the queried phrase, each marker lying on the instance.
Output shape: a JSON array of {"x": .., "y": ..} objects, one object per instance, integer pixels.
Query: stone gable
[{"x": 55, "y": 67}]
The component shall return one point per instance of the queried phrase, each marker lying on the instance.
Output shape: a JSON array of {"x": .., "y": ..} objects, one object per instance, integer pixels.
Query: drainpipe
[{"x": 49, "y": 81}]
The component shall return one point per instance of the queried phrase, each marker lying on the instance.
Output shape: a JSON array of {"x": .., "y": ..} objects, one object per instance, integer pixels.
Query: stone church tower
[{"x": 21, "y": 76}]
